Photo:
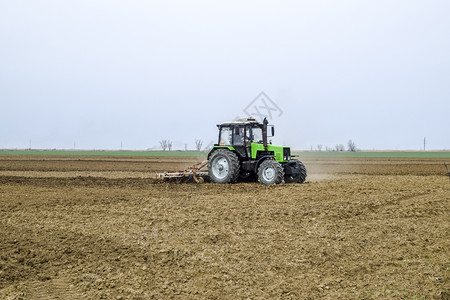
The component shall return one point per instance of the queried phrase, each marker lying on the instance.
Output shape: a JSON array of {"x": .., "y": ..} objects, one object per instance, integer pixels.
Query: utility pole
[{"x": 424, "y": 144}]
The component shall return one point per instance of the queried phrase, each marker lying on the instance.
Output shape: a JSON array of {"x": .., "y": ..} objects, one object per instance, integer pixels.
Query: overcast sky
[{"x": 100, "y": 74}]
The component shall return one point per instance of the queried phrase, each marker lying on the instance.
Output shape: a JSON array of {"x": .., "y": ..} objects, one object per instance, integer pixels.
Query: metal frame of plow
[
  {"x": 448, "y": 172},
  {"x": 193, "y": 172}
]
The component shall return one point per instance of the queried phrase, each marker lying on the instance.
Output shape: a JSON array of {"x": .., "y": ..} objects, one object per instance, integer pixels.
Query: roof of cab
[{"x": 244, "y": 121}]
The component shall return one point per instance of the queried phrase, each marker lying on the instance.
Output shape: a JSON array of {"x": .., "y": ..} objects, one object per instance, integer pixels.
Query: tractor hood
[{"x": 282, "y": 154}]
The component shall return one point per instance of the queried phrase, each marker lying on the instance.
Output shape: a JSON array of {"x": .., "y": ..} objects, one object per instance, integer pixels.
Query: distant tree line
[
  {"x": 351, "y": 146},
  {"x": 167, "y": 145}
]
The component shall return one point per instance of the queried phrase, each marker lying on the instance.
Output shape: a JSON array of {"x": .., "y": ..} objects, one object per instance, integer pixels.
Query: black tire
[
  {"x": 223, "y": 166},
  {"x": 270, "y": 172},
  {"x": 301, "y": 176}
]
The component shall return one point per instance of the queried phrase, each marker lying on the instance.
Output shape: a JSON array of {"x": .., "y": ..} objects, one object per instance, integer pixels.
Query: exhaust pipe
[{"x": 264, "y": 132}]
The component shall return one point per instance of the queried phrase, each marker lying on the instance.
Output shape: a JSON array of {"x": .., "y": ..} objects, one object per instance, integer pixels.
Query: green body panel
[
  {"x": 277, "y": 151},
  {"x": 227, "y": 147},
  {"x": 220, "y": 147},
  {"x": 255, "y": 147}
]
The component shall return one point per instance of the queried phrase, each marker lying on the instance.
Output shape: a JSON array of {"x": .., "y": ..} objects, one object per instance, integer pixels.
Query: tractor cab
[
  {"x": 240, "y": 135},
  {"x": 240, "y": 132}
]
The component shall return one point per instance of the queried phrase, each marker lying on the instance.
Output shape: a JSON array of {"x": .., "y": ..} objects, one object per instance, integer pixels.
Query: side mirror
[{"x": 273, "y": 131}]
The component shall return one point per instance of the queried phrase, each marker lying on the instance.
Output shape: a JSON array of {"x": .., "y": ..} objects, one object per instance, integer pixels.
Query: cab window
[
  {"x": 238, "y": 136},
  {"x": 225, "y": 136},
  {"x": 256, "y": 135}
]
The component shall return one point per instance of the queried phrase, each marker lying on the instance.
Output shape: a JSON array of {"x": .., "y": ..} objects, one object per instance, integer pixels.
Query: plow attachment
[
  {"x": 193, "y": 172},
  {"x": 448, "y": 172}
]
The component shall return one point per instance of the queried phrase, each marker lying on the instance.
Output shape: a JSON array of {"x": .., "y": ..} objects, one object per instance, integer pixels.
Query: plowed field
[{"x": 104, "y": 228}]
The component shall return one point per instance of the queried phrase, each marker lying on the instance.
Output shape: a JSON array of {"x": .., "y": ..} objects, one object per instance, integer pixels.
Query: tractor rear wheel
[
  {"x": 223, "y": 166},
  {"x": 300, "y": 177},
  {"x": 270, "y": 172}
]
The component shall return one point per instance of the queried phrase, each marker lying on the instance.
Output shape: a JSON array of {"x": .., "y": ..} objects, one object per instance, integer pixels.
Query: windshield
[{"x": 256, "y": 135}]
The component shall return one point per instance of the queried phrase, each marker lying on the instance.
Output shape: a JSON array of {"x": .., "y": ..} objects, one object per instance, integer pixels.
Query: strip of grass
[
  {"x": 381, "y": 154},
  {"x": 102, "y": 153},
  {"x": 301, "y": 154}
]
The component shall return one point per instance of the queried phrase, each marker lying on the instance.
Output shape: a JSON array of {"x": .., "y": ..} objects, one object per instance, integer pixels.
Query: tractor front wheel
[
  {"x": 270, "y": 172},
  {"x": 223, "y": 166}
]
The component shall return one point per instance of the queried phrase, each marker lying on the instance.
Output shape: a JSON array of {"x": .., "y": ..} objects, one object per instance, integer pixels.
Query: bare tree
[
  {"x": 169, "y": 145},
  {"x": 319, "y": 147},
  {"x": 198, "y": 144},
  {"x": 351, "y": 146},
  {"x": 164, "y": 144},
  {"x": 339, "y": 147}
]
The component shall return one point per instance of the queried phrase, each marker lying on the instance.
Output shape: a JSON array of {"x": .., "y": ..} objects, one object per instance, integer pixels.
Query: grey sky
[{"x": 98, "y": 73}]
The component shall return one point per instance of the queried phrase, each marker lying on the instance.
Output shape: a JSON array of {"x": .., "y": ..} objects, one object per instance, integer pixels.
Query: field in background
[
  {"x": 102, "y": 227},
  {"x": 307, "y": 154},
  {"x": 377, "y": 154}
]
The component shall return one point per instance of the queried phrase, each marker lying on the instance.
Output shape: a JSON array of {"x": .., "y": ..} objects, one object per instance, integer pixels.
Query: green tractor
[{"x": 243, "y": 154}]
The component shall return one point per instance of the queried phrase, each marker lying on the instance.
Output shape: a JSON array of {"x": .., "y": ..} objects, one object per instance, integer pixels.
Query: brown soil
[{"x": 104, "y": 228}]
